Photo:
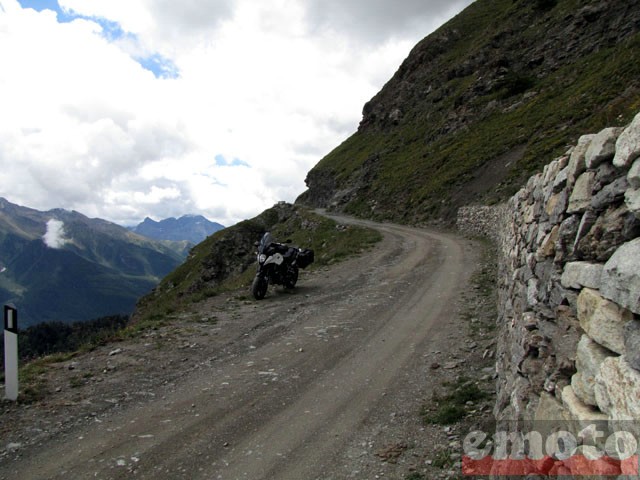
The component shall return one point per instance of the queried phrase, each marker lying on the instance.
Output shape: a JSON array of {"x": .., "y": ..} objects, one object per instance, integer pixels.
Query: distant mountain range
[
  {"x": 192, "y": 228},
  {"x": 60, "y": 265}
]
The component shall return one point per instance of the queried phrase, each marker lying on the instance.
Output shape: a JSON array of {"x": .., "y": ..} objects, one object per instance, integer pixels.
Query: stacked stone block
[{"x": 569, "y": 285}]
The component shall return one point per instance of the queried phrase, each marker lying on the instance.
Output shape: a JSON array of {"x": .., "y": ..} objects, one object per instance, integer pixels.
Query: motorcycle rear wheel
[
  {"x": 292, "y": 278},
  {"x": 259, "y": 287}
]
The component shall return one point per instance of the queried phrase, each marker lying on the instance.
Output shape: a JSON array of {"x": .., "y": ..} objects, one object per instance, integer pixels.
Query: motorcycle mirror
[{"x": 256, "y": 244}]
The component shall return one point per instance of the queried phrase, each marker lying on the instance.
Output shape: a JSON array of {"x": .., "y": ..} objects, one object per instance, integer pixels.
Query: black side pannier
[{"x": 305, "y": 258}]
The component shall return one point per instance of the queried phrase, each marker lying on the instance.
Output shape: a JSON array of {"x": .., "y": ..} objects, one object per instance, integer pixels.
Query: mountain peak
[{"x": 193, "y": 228}]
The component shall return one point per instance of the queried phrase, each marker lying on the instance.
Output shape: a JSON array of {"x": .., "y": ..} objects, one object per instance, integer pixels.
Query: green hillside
[{"x": 481, "y": 104}]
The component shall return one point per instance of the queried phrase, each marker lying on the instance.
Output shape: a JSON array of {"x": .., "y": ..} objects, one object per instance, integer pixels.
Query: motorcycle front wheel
[{"x": 259, "y": 287}]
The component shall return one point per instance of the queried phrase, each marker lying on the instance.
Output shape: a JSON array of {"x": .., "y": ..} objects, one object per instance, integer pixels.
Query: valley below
[{"x": 330, "y": 381}]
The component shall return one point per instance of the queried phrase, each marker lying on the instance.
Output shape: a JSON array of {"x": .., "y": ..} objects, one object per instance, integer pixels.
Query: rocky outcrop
[
  {"x": 480, "y": 103},
  {"x": 569, "y": 283}
]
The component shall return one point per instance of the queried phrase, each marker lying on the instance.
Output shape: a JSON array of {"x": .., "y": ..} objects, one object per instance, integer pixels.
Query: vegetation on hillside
[
  {"x": 226, "y": 260},
  {"x": 48, "y": 338},
  {"x": 481, "y": 104}
]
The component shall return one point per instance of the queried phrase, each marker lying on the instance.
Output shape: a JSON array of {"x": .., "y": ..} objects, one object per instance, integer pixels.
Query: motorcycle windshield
[{"x": 267, "y": 240}]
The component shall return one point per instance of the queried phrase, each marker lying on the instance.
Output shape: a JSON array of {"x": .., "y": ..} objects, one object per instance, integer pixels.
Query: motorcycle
[{"x": 279, "y": 264}]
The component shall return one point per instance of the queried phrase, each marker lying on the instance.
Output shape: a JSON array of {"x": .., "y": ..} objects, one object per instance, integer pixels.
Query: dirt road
[{"x": 298, "y": 386}]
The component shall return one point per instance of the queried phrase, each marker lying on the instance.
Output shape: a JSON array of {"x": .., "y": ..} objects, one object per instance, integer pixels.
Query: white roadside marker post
[{"x": 10, "y": 353}]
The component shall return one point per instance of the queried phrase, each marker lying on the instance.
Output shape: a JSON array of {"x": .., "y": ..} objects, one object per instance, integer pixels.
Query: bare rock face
[{"x": 321, "y": 186}]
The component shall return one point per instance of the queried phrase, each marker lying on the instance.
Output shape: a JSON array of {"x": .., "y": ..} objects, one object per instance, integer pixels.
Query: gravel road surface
[{"x": 313, "y": 384}]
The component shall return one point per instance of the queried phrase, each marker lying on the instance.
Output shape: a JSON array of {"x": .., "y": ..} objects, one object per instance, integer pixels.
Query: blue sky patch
[
  {"x": 40, "y": 5},
  {"x": 160, "y": 66},
  {"x": 223, "y": 162}
]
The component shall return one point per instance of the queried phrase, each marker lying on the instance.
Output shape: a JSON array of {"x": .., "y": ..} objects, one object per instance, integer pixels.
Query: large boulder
[
  {"x": 628, "y": 144},
  {"x": 632, "y": 343},
  {"x": 613, "y": 228},
  {"x": 621, "y": 276},
  {"x": 602, "y": 147},
  {"x": 589, "y": 358},
  {"x": 632, "y": 201},
  {"x": 578, "y": 410},
  {"x": 617, "y": 389},
  {"x": 633, "y": 177},
  {"x": 582, "y": 274},
  {"x": 610, "y": 194},
  {"x": 556, "y": 206},
  {"x": 577, "y": 163},
  {"x": 602, "y": 319},
  {"x": 582, "y": 194}
]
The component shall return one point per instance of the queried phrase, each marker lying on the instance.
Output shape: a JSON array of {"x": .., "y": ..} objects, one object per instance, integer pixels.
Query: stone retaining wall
[
  {"x": 569, "y": 285},
  {"x": 482, "y": 221}
]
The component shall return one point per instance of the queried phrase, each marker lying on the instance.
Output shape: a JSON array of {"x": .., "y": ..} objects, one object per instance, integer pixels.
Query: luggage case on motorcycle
[{"x": 305, "y": 258}]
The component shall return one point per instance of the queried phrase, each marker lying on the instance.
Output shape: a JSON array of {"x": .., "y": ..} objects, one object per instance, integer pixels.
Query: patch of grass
[
  {"x": 446, "y": 414},
  {"x": 331, "y": 242},
  {"x": 545, "y": 4},
  {"x": 76, "y": 382},
  {"x": 415, "y": 476},
  {"x": 443, "y": 459},
  {"x": 452, "y": 407},
  {"x": 153, "y": 322},
  {"x": 31, "y": 377},
  {"x": 466, "y": 392}
]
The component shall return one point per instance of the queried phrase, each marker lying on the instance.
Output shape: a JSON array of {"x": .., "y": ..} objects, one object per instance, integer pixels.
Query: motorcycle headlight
[{"x": 262, "y": 258}]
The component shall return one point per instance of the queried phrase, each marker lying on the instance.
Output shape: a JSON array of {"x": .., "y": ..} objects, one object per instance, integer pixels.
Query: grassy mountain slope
[
  {"x": 481, "y": 104},
  {"x": 60, "y": 285}
]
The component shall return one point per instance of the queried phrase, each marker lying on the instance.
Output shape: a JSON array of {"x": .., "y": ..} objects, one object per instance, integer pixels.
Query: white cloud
[
  {"x": 274, "y": 84},
  {"x": 375, "y": 21},
  {"x": 54, "y": 237}
]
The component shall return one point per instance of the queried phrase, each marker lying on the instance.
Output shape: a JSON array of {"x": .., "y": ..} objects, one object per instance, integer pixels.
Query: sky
[{"x": 126, "y": 109}]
